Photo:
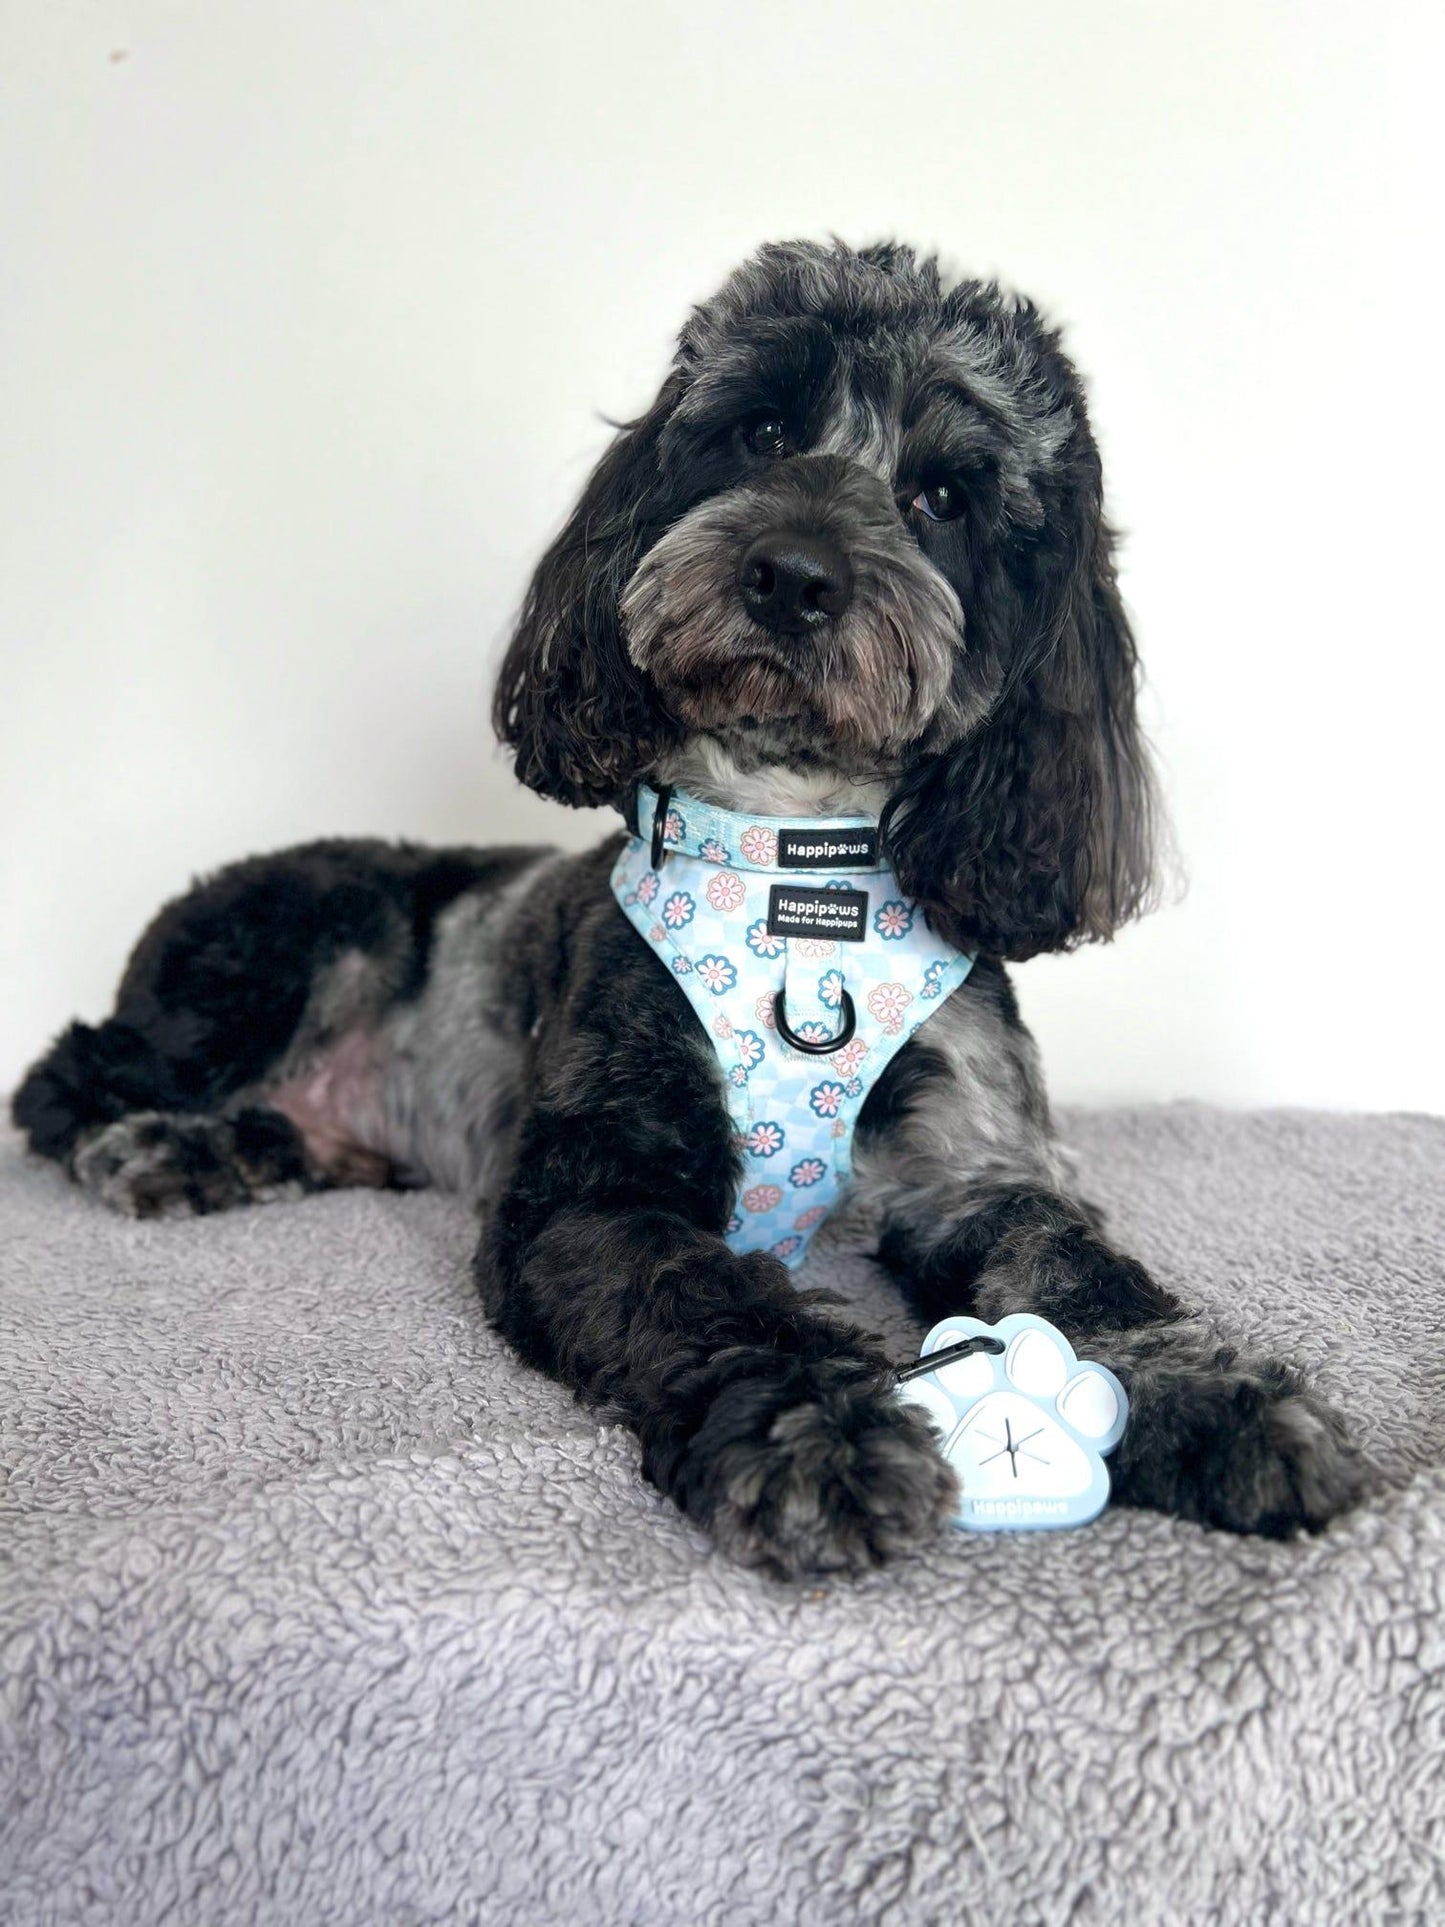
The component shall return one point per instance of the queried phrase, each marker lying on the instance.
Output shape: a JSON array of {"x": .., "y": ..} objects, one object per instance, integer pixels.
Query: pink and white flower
[
  {"x": 678, "y": 910},
  {"x": 815, "y": 948},
  {"x": 749, "y": 1047},
  {"x": 762, "y": 942},
  {"x": 717, "y": 973},
  {"x": 721, "y": 1026},
  {"x": 725, "y": 891},
  {"x": 888, "y": 1003},
  {"x": 805, "y": 1220},
  {"x": 648, "y": 886},
  {"x": 762, "y": 1197},
  {"x": 893, "y": 921},
  {"x": 674, "y": 827},
  {"x": 808, "y": 1171},
  {"x": 713, "y": 852},
  {"x": 830, "y": 988},
  {"x": 825, "y": 1099},
  {"x": 759, "y": 845},
  {"x": 850, "y": 1057},
  {"x": 785, "y": 1247},
  {"x": 765, "y": 1140},
  {"x": 763, "y": 1010},
  {"x": 812, "y": 1032}
]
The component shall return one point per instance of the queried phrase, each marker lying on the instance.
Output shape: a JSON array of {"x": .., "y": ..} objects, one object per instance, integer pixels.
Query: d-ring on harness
[
  {"x": 805, "y": 1045},
  {"x": 808, "y": 969}
]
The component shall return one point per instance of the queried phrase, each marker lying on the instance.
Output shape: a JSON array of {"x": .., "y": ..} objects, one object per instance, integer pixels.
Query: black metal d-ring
[
  {"x": 659, "y": 825},
  {"x": 850, "y": 1024}
]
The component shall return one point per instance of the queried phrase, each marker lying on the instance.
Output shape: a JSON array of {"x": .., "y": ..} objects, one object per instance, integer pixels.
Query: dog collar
[
  {"x": 806, "y": 985},
  {"x": 669, "y": 819}
]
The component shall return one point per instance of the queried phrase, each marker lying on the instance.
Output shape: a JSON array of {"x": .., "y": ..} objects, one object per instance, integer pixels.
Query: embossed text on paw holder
[{"x": 1025, "y": 1430}]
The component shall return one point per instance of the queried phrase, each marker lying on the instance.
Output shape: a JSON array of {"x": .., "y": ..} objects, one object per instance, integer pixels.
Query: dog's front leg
[
  {"x": 977, "y": 1214},
  {"x": 766, "y": 1419},
  {"x": 770, "y": 1424}
]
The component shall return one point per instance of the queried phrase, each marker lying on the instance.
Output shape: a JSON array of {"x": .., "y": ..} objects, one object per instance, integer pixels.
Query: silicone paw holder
[{"x": 1025, "y": 1423}]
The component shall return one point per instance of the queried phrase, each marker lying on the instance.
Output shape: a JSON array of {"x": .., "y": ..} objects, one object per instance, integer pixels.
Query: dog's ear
[
  {"x": 1036, "y": 832},
  {"x": 583, "y": 719}
]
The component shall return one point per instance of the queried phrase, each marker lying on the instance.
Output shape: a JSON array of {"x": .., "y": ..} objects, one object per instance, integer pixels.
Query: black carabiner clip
[
  {"x": 947, "y": 1355},
  {"x": 809, "y": 1049}
]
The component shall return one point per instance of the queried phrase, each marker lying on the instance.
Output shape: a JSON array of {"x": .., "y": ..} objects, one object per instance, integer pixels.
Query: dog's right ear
[{"x": 584, "y": 721}]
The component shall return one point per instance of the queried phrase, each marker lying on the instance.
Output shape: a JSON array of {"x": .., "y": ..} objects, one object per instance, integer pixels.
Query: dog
[{"x": 851, "y": 567}]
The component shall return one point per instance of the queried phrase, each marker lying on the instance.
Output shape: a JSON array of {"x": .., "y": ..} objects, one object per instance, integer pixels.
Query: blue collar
[
  {"x": 807, "y": 978},
  {"x": 669, "y": 819}
]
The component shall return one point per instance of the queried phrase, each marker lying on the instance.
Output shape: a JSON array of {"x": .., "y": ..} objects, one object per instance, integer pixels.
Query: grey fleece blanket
[{"x": 315, "y": 1606}]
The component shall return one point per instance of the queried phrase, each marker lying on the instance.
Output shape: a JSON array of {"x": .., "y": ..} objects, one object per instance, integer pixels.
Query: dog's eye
[
  {"x": 941, "y": 503},
  {"x": 766, "y": 436}
]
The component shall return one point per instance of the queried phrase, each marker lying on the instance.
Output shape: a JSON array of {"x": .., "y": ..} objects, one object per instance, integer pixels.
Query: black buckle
[
  {"x": 659, "y": 825},
  {"x": 850, "y": 1024}
]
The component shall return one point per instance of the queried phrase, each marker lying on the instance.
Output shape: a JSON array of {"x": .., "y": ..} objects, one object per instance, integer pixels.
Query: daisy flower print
[
  {"x": 717, "y": 973},
  {"x": 826, "y": 1098},
  {"x": 888, "y": 1003},
  {"x": 759, "y": 845},
  {"x": 678, "y": 910},
  {"x": 725, "y": 891},
  {"x": 749, "y": 1047},
  {"x": 850, "y": 1057},
  {"x": 893, "y": 921}
]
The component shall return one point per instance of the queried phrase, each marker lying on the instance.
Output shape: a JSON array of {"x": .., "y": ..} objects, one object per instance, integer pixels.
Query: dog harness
[{"x": 809, "y": 969}]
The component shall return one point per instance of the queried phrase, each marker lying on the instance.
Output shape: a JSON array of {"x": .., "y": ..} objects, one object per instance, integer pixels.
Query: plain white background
[{"x": 309, "y": 314}]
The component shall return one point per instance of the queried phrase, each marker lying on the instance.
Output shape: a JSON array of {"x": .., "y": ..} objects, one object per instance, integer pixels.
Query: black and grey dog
[{"x": 853, "y": 559}]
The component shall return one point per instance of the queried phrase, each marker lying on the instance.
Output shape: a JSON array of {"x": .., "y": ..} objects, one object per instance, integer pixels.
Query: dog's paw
[
  {"x": 154, "y": 1165},
  {"x": 1025, "y": 1428},
  {"x": 814, "y": 1469},
  {"x": 1231, "y": 1441}
]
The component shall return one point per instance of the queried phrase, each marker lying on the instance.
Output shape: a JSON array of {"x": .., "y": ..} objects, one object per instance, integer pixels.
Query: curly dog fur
[{"x": 854, "y": 557}]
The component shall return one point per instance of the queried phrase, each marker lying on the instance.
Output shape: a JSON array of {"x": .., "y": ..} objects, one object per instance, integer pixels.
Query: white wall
[{"x": 308, "y": 313}]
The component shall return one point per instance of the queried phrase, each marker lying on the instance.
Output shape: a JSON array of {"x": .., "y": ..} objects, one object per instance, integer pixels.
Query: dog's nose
[{"x": 791, "y": 582}]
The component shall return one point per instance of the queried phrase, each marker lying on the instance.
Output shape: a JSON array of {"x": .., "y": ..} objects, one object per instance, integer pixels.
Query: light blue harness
[{"x": 808, "y": 967}]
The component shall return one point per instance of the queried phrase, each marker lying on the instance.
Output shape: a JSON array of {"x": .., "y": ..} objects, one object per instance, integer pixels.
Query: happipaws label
[
  {"x": 839, "y": 914},
  {"x": 827, "y": 849}
]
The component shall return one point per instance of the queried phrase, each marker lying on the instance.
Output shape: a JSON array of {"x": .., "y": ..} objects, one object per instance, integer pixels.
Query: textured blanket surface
[{"x": 315, "y": 1606}]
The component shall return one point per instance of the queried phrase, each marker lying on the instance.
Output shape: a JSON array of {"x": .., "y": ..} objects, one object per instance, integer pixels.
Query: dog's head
[{"x": 861, "y": 527}]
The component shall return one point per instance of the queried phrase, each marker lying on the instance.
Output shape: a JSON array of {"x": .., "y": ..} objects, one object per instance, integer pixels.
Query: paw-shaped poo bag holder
[{"x": 1024, "y": 1422}]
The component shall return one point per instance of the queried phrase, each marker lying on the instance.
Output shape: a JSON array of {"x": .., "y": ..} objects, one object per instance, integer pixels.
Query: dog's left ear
[
  {"x": 581, "y": 717},
  {"x": 1036, "y": 832}
]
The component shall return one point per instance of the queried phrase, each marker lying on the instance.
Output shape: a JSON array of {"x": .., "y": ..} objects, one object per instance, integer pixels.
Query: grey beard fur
[{"x": 881, "y": 679}]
